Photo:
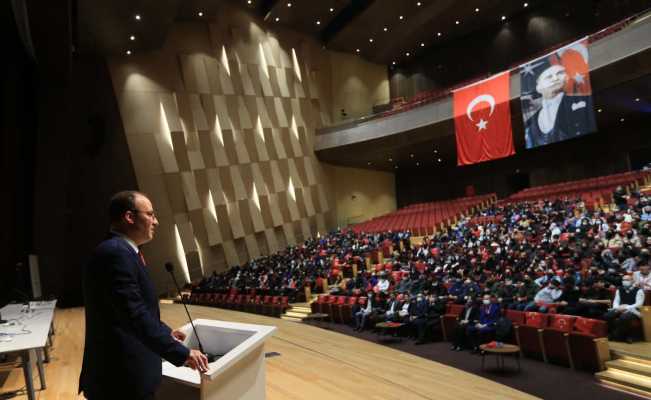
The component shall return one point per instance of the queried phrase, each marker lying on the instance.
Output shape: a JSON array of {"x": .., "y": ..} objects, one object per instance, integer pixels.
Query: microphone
[{"x": 211, "y": 357}]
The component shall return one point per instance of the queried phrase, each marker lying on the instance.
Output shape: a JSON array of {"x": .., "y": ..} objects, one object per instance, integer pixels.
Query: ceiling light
[
  {"x": 132, "y": 38},
  {"x": 438, "y": 34},
  {"x": 621, "y": 120},
  {"x": 407, "y": 54},
  {"x": 417, "y": 164},
  {"x": 396, "y": 167},
  {"x": 503, "y": 17},
  {"x": 137, "y": 17},
  {"x": 289, "y": 4},
  {"x": 436, "y": 151},
  {"x": 411, "y": 155},
  {"x": 249, "y": 2},
  {"x": 370, "y": 40},
  {"x": 476, "y": 9},
  {"x": 599, "y": 110},
  {"x": 200, "y": 14},
  {"x": 422, "y": 44},
  {"x": 128, "y": 52},
  {"x": 277, "y": 19},
  {"x": 418, "y": 4},
  {"x": 332, "y": 9},
  {"x": 526, "y": 5},
  {"x": 439, "y": 160},
  {"x": 385, "y": 29},
  {"x": 369, "y": 163},
  {"x": 318, "y": 22},
  {"x": 457, "y": 22},
  {"x": 637, "y": 99},
  {"x": 390, "y": 159},
  {"x": 401, "y": 17},
  {"x": 357, "y": 50}
]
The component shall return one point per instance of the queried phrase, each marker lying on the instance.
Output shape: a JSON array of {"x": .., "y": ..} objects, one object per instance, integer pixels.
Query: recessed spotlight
[
  {"x": 357, "y": 50},
  {"x": 289, "y": 4},
  {"x": 422, "y": 44},
  {"x": 277, "y": 19},
  {"x": 418, "y": 4},
  {"x": 385, "y": 29},
  {"x": 401, "y": 17},
  {"x": 621, "y": 120},
  {"x": 526, "y": 5},
  {"x": 390, "y": 159},
  {"x": 407, "y": 54},
  {"x": 438, "y": 34},
  {"x": 439, "y": 160},
  {"x": 503, "y": 17},
  {"x": 476, "y": 9},
  {"x": 318, "y": 22},
  {"x": 436, "y": 151},
  {"x": 457, "y": 22},
  {"x": 200, "y": 14},
  {"x": 249, "y": 1},
  {"x": 417, "y": 164},
  {"x": 369, "y": 163},
  {"x": 128, "y": 52},
  {"x": 637, "y": 99},
  {"x": 137, "y": 17},
  {"x": 332, "y": 9},
  {"x": 132, "y": 38},
  {"x": 370, "y": 40},
  {"x": 599, "y": 110},
  {"x": 393, "y": 63},
  {"x": 396, "y": 167},
  {"x": 411, "y": 155}
]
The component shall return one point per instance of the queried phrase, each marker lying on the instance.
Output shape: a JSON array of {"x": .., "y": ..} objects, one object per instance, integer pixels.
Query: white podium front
[{"x": 238, "y": 374}]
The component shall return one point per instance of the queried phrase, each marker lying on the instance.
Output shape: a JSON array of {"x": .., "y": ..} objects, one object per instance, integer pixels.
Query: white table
[{"x": 27, "y": 332}]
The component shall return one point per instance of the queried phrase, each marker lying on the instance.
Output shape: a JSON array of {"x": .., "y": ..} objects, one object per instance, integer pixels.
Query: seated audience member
[
  {"x": 365, "y": 312},
  {"x": 569, "y": 301},
  {"x": 526, "y": 290},
  {"x": 469, "y": 316},
  {"x": 405, "y": 307},
  {"x": 505, "y": 292},
  {"x": 489, "y": 313},
  {"x": 642, "y": 278},
  {"x": 545, "y": 296},
  {"x": 425, "y": 326},
  {"x": 393, "y": 306},
  {"x": 596, "y": 301},
  {"x": 626, "y": 308},
  {"x": 382, "y": 285},
  {"x": 418, "y": 313}
]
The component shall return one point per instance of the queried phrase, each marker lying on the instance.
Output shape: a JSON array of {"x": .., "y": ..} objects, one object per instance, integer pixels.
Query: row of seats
[
  {"x": 273, "y": 306},
  {"x": 568, "y": 340},
  {"x": 424, "y": 218},
  {"x": 590, "y": 190}
]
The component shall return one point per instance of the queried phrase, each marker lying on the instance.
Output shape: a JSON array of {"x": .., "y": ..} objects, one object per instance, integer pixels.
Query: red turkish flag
[{"x": 482, "y": 121}]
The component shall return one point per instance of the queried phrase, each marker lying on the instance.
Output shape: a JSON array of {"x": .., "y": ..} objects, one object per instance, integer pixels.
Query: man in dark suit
[
  {"x": 125, "y": 338},
  {"x": 561, "y": 116}
]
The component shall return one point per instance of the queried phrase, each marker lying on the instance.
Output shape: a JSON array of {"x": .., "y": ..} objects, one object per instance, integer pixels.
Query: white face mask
[
  {"x": 487, "y": 302},
  {"x": 627, "y": 284}
]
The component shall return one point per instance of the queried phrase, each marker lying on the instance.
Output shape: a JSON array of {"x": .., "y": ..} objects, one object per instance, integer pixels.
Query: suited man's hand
[
  {"x": 197, "y": 360},
  {"x": 178, "y": 335}
]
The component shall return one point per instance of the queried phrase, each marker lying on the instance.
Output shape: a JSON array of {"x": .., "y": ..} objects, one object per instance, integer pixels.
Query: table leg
[
  {"x": 483, "y": 358},
  {"x": 517, "y": 357},
  {"x": 27, "y": 371},
  {"x": 41, "y": 370}
]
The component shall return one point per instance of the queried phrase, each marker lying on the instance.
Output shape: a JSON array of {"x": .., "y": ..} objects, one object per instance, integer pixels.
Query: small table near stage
[
  {"x": 500, "y": 352},
  {"x": 27, "y": 333},
  {"x": 389, "y": 328}
]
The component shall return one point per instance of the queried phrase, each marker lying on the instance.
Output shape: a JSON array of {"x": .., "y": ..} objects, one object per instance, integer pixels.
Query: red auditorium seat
[
  {"x": 587, "y": 341},
  {"x": 556, "y": 347},
  {"x": 517, "y": 319},
  {"x": 529, "y": 335},
  {"x": 450, "y": 319},
  {"x": 316, "y": 305},
  {"x": 251, "y": 305},
  {"x": 260, "y": 307},
  {"x": 334, "y": 308},
  {"x": 346, "y": 310}
]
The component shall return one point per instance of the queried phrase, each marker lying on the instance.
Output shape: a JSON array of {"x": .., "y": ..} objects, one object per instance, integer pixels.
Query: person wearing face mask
[
  {"x": 469, "y": 316},
  {"x": 489, "y": 313},
  {"x": 626, "y": 308},
  {"x": 525, "y": 292},
  {"x": 545, "y": 296},
  {"x": 642, "y": 278}
]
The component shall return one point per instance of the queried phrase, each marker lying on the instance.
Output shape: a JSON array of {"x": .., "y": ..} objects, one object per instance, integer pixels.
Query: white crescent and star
[{"x": 487, "y": 98}]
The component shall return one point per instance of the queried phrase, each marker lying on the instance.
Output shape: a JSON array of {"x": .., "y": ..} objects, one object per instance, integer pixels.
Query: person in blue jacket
[{"x": 489, "y": 313}]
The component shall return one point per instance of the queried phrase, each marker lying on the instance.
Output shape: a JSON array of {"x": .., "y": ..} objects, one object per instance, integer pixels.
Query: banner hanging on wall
[
  {"x": 482, "y": 121},
  {"x": 556, "y": 96}
]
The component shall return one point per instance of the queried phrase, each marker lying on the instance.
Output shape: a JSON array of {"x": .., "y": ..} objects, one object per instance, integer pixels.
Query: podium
[{"x": 239, "y": 372}]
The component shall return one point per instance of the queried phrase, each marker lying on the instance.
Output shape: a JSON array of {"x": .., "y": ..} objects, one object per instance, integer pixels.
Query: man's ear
[{"x": 130, "y": 217}]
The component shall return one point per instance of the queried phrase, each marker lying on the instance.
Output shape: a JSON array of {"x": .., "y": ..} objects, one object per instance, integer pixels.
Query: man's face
[
  {"x": 551, "y": 81},
  {"x": 143, "y": 222}
]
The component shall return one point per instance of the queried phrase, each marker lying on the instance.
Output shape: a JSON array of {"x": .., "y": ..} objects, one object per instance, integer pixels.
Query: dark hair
[{"x": 120, "y": 203}]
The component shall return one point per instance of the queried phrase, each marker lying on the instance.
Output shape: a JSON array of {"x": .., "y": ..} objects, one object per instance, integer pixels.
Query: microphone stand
[{"x": 211, "y": 357}]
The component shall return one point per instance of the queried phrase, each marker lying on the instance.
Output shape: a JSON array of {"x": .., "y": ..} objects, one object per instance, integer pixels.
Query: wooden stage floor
[{"x": 314, "y": 363}]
